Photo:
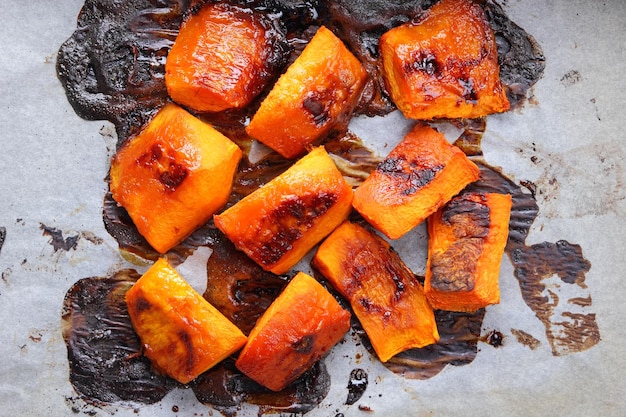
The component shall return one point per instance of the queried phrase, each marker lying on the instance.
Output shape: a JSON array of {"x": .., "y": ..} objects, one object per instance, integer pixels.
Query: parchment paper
[{"x": 568, "y": 141}]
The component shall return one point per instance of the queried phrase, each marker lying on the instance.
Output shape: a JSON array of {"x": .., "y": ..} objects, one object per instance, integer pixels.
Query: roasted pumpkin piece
[
  {"x": 445, "y": 65},
  {"x": 223, "y": 57},
  {"x": 466, "y": 243},
  {"x": 173, "y": 176},
  {"x": 279, "y": 223},
  {"x": 418, "y": 176},
  {"x": 318, "y": 92},
  {"x": 298, "y": 329},
  {"x": 182, "y": 334},
  {"x": 384, "y": 294}
]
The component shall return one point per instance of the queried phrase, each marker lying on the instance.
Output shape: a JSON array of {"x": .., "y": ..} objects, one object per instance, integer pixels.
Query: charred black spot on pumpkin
[
  {"x": 422, "y": 61},
  {"x": 409, "y": 176},
  {"x": 142, "y": 304},
  {"x": 304, "y": 345},
  {"x": 187, "y": 341},
  {"x": 173, "y": 176},
  {"x": 166, "y": 167},
  {"x": 288, "y": 222},
  {"x": 317, "y": 107}
]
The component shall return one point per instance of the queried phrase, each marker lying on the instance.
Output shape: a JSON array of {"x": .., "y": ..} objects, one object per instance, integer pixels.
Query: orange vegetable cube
[
  {"x": 319, "y": 91},
  {"x": 223, "y": 57},
  {"x": 279, "y": 223},
  {"x": 183, "y": 335},
  {"x": 384, "y": 294},
  {"x": 466, "y": 243},
  {"x": 445, "y": 65},
  {"x": 173, "y": 176},
  {"x": 298, "y": 329},
  {"x": 418, "y": 176}
]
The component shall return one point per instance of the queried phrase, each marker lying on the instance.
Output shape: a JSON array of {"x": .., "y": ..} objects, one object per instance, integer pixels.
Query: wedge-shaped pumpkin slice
[
  {"x": 444, "y": 66},
  {"x": 173, "y": 176},
  {"x": 384, "y": 294},
  {"x": 223, "y": 57},
  {"x": 465, "y": 247},
  {"x": 183, "y": 335},
  {"x": 298, "y": 329},
  {"x": 317, "y": 92},
  {"x": 279, "y": 223},
  {"x": 418, "y": 176}
]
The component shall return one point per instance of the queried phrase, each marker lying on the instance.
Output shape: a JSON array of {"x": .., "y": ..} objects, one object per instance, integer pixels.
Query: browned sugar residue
[
  {"x": 58, "y": 242},
  {"x": 526, "y": 339}
]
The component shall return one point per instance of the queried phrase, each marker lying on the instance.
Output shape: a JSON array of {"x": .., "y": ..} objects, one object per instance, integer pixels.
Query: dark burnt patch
[
  {"x": 423, "y": 61},
  {"x": 409, "y": 176},
  {"x": 166, "y": 166},
  {"x": 289, "y": 221},
  {"x": 458, "y": 345},
  {"x": 225, "y": 388},
  {"x": 304, "y": 345},
  {"x": 317, "y": 107},
  {"x": 238, "y": 287},
  {"x": 455, "y": 269},
  {"x": 58, "y": 242}
]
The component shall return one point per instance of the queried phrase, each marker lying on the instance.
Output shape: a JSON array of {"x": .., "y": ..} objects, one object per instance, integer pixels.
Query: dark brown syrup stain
[
  {"x": 58, "y": 242},
  {"x": 575, "y": 328},
  {"x": 526, "y": 339},
  {"x": 226, "y": 389},
  {"x": 106, "y": 364},
  {"x": 239, "y": 287},
  {"x": 458, "y": 345},
  {"x": 104, "y": 352}
]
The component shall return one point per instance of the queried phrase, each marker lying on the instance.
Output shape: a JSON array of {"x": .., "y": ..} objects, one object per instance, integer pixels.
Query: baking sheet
[{"x": 567, "y": 141}]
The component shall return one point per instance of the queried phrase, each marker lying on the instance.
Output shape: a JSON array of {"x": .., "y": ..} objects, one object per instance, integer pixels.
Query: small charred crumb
[
  {"x": 3, "y": 236},
  {"x": 530, "y": 186},
  {"x": 57, "y": 241},
  {"x": 494, "y": 338},
  {"x": 357, "y": 384}
]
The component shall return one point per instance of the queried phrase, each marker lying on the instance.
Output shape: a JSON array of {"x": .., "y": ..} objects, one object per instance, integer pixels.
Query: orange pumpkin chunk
[
  {"x": 418, "y": 176},
  {"x": 317, "y": 92},
  {"x": 384, "y": 294},
  {"x": 222, "y": 58},
  {"x": 279, "y": 223},
  {"x": 298, "y": 328},
  {"x": 444, "y": 66},
  {"x": 183, "y": 335},
  {"x": 173, "y": 176},
  {"x": 466, "y": 243}
]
